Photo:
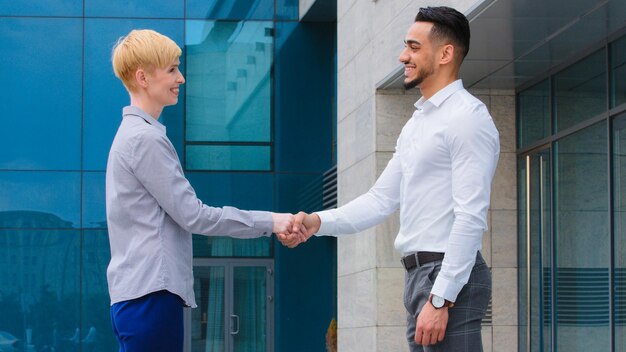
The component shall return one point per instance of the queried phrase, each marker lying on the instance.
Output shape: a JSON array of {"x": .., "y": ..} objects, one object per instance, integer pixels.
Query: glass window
[
  {"x": 287, "y": 10},
  {"x": 94, "y": 214},
  {"x": 619, "y": 223},
  {"x": 102, "y": 116},
  {"x": 533, "y": 114},
  {"x": 230, "y": 9},
  {"x": 522, "y": 253},
  {"x": 618, "y": 72},
  {"x": 70, "y": 8},
  {"x": 580, "y": 91},
  {"x": 135, "y": 8},
  {"x": 40, "y": 300},
  {"x": 42, "y": 99},
  {"x": 96, "y": 331},
  {"x": 228, "y": 157},
  {"x": 39, "y": 199},
  {"x": 229, "y": 95},
  {"x": 582, "y": 241}
]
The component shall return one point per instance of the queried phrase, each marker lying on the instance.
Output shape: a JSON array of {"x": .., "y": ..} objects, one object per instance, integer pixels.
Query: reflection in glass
[
  {"x": 534, "y": 114},
  {"x": 41, "y": 100},
  {"x": 582, "y": 241},
  {"x": 93, "y": 198},
  {"x": 228, "y": 81},
  {"x": 230, "y": 9},
  {"x": 96, "y": 321},
  {"x": 207, "y": 327},
  {"x": 40, "y": 288},
  {"x": 619, "y": 213},
  {"x": 250, "y": 309},
  {"x": 39, "y": 199},
  {"x": 229, "y": 157},
  {"x": 580, "y": 91},
  {"x": 618, "y": 72},
  {"x": 287, "y": 10},
  {"x": 213, "y": 246},
  {"x": 135, "y": 8},
  {"x": 68, "y": 8}
]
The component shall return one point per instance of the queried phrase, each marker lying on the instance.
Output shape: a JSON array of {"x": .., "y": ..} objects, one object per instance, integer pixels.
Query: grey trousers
[{"x": 464, "y": 321}]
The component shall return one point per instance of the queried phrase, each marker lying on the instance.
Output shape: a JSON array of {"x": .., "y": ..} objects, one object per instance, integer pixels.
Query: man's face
[
  {"x": 418, "y": 55},
  {"x": 164, "y": 83}
]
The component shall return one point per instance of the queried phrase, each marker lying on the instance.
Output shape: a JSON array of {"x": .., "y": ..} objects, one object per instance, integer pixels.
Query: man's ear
[
  {"x": 447, "y": 54},
  {"x": 140, "y": 78}
]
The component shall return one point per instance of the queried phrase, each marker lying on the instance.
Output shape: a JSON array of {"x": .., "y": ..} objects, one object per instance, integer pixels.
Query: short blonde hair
[{"x": 142, "y": 48}]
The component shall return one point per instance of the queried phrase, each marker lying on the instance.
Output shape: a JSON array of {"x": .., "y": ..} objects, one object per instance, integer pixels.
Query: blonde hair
[{"x": 142, "y": 48}]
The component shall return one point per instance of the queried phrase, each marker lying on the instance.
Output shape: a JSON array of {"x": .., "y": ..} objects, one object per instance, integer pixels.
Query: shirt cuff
[
  {"x": 328, "y": 223},
  {"x": 446, "y": 289},
  {"x": 263, "y": 221}
]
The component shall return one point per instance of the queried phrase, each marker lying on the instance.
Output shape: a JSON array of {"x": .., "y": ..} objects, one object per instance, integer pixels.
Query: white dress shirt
[
  {"x": 152, "y": 211},
  {"x": 440, "y": 178}
]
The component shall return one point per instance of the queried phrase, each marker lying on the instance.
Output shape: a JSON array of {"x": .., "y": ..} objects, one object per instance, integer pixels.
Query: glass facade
[
  {"x": 238, "y": 132},
  {"x": 571, "y": 284}
]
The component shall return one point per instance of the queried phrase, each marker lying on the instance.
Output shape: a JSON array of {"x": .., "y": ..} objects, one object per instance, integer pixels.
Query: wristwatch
[{"x": 440, "y": 302}]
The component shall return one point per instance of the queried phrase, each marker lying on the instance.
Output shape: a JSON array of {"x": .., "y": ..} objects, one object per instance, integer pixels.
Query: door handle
[{"x": 234, "y": 318}]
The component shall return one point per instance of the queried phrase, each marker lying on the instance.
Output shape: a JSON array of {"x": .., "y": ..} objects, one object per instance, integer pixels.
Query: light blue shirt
[
  {"x": 152, "y": 211},
  {"x": 440, "y": 179}
]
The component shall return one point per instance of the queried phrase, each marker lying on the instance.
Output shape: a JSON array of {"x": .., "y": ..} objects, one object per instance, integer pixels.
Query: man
[
  {"x": 151, "y": 207},
  {"x": 440, "y": 178}
]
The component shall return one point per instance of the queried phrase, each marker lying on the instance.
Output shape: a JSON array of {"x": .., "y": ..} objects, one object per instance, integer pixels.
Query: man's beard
[{"x": 422, "y": 75}]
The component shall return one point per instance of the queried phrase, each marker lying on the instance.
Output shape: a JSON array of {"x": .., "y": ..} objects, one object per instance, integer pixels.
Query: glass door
[{"x": 235, "y": 306}]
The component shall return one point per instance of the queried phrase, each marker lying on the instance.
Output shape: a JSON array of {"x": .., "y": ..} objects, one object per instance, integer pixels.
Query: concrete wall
[{"x": 371, "y": 315}]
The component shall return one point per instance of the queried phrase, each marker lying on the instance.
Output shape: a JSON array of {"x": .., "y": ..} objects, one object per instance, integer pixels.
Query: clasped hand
[{"x": 291, "y": 230}]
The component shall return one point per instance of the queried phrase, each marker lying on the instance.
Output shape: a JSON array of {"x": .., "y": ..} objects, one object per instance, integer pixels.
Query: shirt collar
[
  {"x": 132, "y": 110},
  {"x": 441, "y": 96}
]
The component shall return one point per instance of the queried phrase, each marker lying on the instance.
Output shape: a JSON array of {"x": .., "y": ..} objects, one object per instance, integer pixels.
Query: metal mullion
[{"x": 528, "y": 248}]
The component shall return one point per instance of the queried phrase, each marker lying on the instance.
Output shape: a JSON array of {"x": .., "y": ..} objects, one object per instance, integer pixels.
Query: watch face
[{"x": 438, "y": 302}]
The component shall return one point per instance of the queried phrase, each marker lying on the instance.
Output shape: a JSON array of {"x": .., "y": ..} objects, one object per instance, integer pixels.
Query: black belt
[{"x": 420, "y": 258}]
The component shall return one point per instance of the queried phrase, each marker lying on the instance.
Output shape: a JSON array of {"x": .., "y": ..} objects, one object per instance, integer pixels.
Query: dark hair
[{"x": 449, "y": 24}]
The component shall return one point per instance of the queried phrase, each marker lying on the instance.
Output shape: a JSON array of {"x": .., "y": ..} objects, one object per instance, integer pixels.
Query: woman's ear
[{"x": 140, "y": 78}]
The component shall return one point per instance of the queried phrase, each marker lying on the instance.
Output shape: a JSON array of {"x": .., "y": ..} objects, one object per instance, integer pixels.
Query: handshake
[{"x": 291, "y": 230}]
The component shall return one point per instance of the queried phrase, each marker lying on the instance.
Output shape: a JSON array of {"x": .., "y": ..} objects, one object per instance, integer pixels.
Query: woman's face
[{"x": 163, "y": 84}]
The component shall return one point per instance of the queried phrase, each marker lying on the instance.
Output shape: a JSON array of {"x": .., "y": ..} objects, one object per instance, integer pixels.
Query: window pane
[
  {"x": 97, "y": 334},
  {"x": 230, "y": 9},
  {"x": 522, "y": 254},
  {"x": 94, "y": 214},
  {"x": 618, "y": 72},
  {"x": 228, "y": 81},
  {"x": 224, "y": 157},
  {"x": 580, "y": 91},
  {"x": 41, "y": 106},
  {"x": 619, "y": 174},
  {"x": 39, "y": 199},
  {"x": 210, "y": 246},
  {"x": 102, "y": 116},
  {"x": 582, "y": 241},
  {"x": 40, "y": 280},
  {"x": 534, "y": 114},
  {"x": 41, "y": 8},
  {"x": 287, "y": 10},
  {"x": 135, "y": 8}
]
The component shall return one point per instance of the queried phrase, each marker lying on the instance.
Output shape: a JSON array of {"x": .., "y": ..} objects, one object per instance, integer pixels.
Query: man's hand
[
  {"x": 304, "y": 226},
  {"x": 431, "y": 325}
]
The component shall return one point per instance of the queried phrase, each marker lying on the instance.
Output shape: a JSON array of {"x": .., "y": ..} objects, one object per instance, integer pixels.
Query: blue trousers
[
  {"x": 152, "y": 323},
  {"x": 464, "y": 319}
]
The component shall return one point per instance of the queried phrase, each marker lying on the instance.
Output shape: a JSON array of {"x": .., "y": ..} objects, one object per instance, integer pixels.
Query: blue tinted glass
[
  {"x": 249, "y": 191},
  {"x": 299, "y": 192},
  {"x": 618, "y": 72},
  {"x": 580, "y": 91},
  {"x": 534, "y": 114},
  {"x": 94, "y": 214},
  {"x": 105, "y": 95},
  {"x": 245, "y": 191},
  {"x": 40, "y": 280},
  {"x": 135, "y": 8},
  {"x": 97, "y": 334},
  {"x": 41, "y": 8},
  {"x": 39, "y": 199},
  {"x": 228, "y": 157},
  {"x": 311, "y": 109},
  {"x": 41, "y": 99},
  {"x": 229, "y": 88},
  {"x": 230, "y": 9},
  {"x": 287, "y": 10}
]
